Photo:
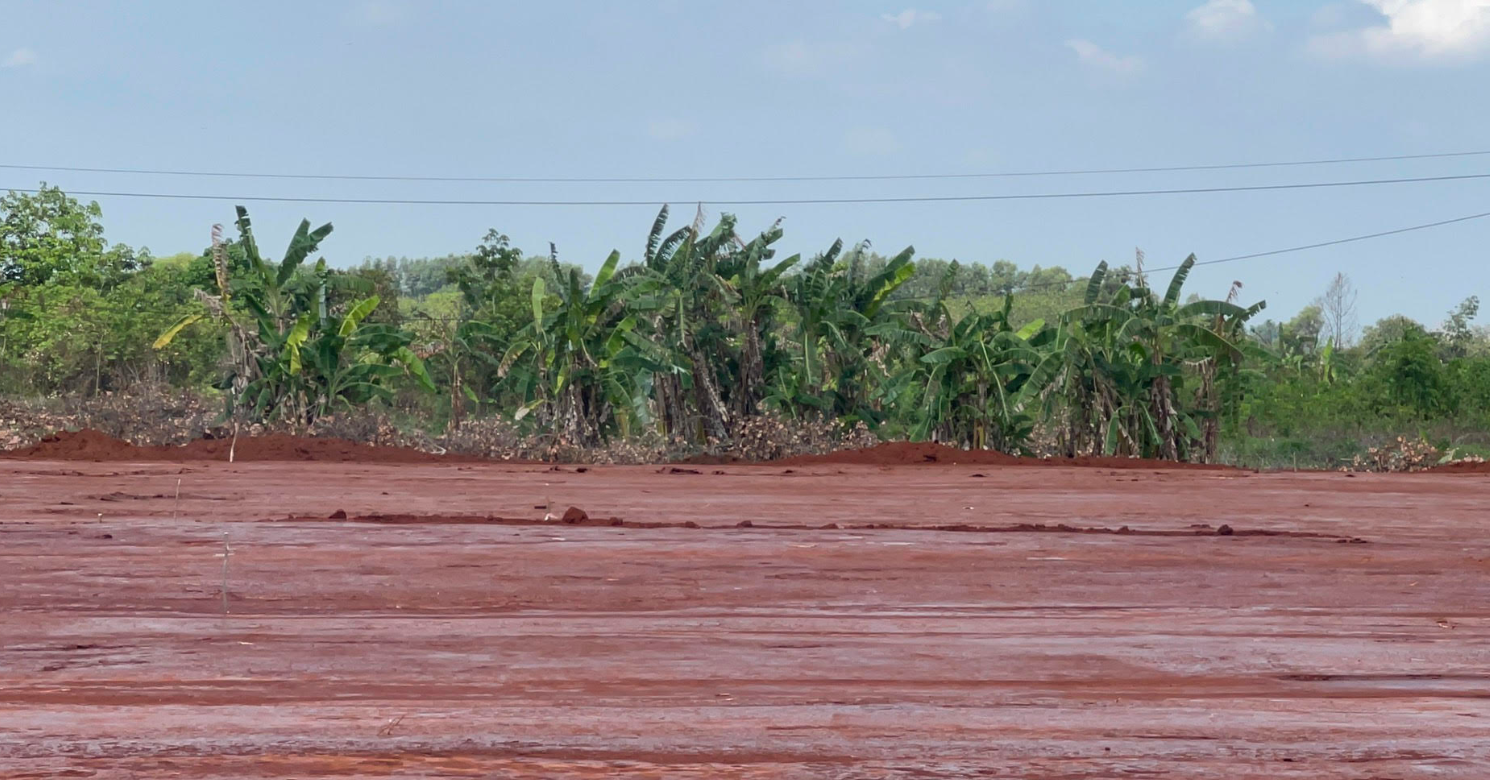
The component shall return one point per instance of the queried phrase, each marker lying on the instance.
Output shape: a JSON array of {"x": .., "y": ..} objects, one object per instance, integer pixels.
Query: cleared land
[{"x": 1352, "y": 640}]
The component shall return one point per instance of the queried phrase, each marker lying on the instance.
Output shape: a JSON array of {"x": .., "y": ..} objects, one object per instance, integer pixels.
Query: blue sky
[{"x": 658, "y": 88}]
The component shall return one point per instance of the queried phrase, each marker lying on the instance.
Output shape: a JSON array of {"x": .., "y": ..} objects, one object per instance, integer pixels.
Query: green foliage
[
  {"x": 1406, "y": 377},
  {"x": 49, "y": 237},
  {"x": 1459, "y": 335},
  {"x": 68, "y": 338},
  {"x": 710, "y": 328},
  {"x": 294, "y": 355},
  {"x": 1328, "y": 406},
  {"x": 1388, "y": 330}
]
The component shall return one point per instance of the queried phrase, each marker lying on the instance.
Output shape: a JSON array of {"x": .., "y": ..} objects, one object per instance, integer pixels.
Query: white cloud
[
  {"x": 911, "y": 16},
  {"x": 1421, "y": 29},
  {"x": 20, "y": 58},
  {"x": 1225, "y": 20},
  {"x": 870, "y": 141},
  {"x": 1097, "y": 57},
  {"x": 670, "y": 129},
  {"x": 800, "y": 58}
]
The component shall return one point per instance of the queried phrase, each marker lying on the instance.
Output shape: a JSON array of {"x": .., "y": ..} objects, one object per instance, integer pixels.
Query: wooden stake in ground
[
  {"x": 226, "y": 551},
  {"x": 176, "y": 510},
  {"x": 233, "y": 448}
]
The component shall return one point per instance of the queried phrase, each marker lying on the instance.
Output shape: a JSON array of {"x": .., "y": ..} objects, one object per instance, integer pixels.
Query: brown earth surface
[
  {"x": 91, "y": 445},
  {"x": 836, "y": 621},
  {"x": 1463, "y": 467},
  {"x": 907, "y": 453}
]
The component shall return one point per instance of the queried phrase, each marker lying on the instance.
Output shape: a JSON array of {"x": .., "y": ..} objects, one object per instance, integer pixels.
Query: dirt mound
[
  {"x": 92, "y": 445},
  {"x": 86, "y": 444},
  {"x": 95, "y": 446},
  {"x": 711, "y": 460},
  {"x": 1462, "y": 467},
  {"x": 904, "y": 453},
  {"x": 1115, "y": 462}
]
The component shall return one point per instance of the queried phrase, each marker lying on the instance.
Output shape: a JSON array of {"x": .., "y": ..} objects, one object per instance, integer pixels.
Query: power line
[
  {"x": 1339, "y": 241},
  {"x": 1232, "y": 259},
  {"x": 782, "y": 201},
  {"x": 1273, "y": 252},
  {"x": 737, "y": 179}
]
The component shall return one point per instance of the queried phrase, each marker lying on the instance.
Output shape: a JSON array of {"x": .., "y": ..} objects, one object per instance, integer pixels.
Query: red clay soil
[
  {"x": 91, "y": 445},
  {"x": 904, "y": 453},
  {"x": 1463, "y": 467},
  {"x": 392, "y": 629}
]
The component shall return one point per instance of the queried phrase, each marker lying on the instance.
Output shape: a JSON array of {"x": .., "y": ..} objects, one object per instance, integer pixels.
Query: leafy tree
[
  {"x": 1389, "y": 330},
  {"x": 65, "y": 338},
  {"x": 489, "y": 310},
  {"x": 1406, "y": 376},
  {"x": 1458, "y": 331},
  {"x": 1300, "y": 335},
  {"x": 50, "y": 237}
]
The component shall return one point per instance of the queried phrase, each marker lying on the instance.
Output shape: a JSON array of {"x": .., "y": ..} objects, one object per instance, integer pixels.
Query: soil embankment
[
  {"x": 905, "y": 453},
  {"x": 91, "y": 445}
]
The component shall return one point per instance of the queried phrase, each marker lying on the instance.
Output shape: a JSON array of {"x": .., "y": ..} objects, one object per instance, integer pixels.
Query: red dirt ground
[
  {"x": 1463, "y": 467},
  {"x": 91, "y": 445},
  {"x": 836, "y": 621},
  {"x": 904, "y": 453}
]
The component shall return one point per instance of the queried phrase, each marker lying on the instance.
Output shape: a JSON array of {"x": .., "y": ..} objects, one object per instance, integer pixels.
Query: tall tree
[
  {"x": 1338, "y": 305},
  {"x": 1458, "y": 329},
  {"x": 51, "y": 237}
]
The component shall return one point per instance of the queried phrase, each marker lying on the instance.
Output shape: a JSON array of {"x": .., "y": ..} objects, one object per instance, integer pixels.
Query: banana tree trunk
[
  {"x": 1212, "y": 402},
  {"x": 457, "y": 397},
  {"x": 716, "y": 417},
  {"x": 752, "y": 373},
  {"x": 573, "y": 417},
  {"x": 1163, "y": 411},
  {"x": 669, "y": 399}
]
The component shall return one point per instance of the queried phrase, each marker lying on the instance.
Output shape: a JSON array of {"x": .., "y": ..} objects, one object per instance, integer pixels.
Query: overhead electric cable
[
  {"x": 1231, "y": 259},
  {"x": 729, "y": 179},
  {"x": 1274, "y": 252},
  {"x": 780, "y": 201}
]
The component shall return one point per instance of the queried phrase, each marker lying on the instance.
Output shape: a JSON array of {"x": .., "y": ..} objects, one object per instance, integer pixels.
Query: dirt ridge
[
  {"x": 578, "y": 517},
  {"x": 909, "y": 453},
  {"x": 93, "y": 445}
]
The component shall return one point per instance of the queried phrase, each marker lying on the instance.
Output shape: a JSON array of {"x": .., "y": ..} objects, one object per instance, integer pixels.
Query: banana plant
[
  {"x": 684, "y": 298},
  {"x": 838, "y": 310},
  {"x": 752, "y": 292},
  {"x": 1117, "y": 368},
  {"x": 298, "y": 360},
  {"x": 578, "y": 364},
  {"x": 338, "y": 362},
  {"x": 968, "y": 380}
]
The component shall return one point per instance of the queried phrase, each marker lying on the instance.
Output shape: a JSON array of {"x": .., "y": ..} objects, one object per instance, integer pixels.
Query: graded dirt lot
[{"x": 740, "y": 622}]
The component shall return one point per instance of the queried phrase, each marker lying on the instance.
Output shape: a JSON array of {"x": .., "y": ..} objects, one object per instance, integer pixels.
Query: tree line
[{"x": 709, "y": 328}]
